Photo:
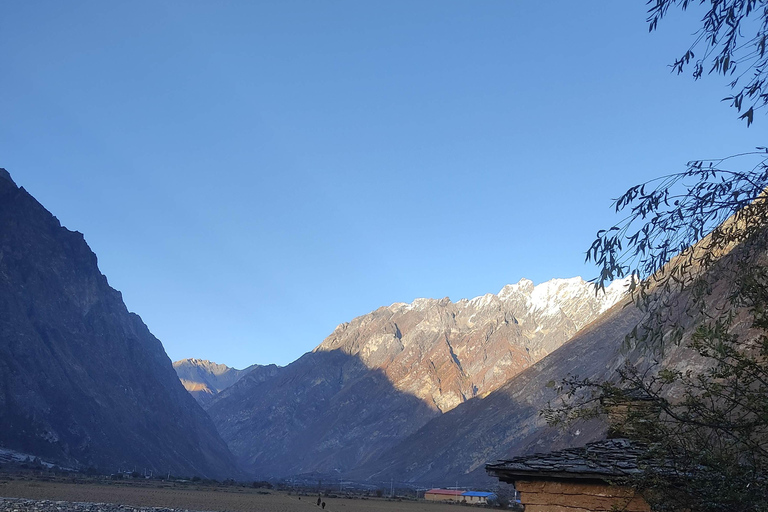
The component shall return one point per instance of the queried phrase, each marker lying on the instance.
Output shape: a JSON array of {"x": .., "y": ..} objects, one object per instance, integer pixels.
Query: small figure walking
[{"x": 323, "y": 505}]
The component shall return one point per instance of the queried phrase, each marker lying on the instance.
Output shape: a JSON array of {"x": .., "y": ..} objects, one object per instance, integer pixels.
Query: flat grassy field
[{"x": 203, "y": 497}]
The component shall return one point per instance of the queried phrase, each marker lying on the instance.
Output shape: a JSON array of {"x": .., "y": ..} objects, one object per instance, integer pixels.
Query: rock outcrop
[{"x": 82, "y": 380}]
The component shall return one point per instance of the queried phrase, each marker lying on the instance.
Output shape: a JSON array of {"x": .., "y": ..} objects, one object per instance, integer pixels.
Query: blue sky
[{"x": 251, "y": 174}]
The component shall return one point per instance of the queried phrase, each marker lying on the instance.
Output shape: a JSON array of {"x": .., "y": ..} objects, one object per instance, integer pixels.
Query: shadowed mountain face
[
  {"x": 204, "y": 379},
  {"x": 82, "y": 380},
  {"x": 323, "y": 413},
  {"x": 378, "y": 379}
]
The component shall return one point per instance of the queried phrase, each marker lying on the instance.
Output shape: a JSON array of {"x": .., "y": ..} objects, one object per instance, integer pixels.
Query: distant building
[
  {"x": 470, "y": 497},
  {"x": 477, "y": 497},
  {"x": 575, "y": 479},
  {"x": 443, "y": 495}
]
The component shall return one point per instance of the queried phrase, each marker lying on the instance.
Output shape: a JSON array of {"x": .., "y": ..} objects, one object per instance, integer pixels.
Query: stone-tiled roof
[{"x": 612, "y": 458}]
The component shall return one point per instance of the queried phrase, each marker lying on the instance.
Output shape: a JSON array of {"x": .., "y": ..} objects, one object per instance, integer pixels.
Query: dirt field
[{"x": 186, "y": 496}]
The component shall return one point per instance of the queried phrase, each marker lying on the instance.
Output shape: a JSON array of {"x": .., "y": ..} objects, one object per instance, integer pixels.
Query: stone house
[{"x": 575, "y": 479}]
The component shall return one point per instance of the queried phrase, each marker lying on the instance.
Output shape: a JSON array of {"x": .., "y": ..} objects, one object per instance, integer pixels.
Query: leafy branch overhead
[
  {"x": 674, "y": 232},
  {"x": 696, "y": 245},
  {"x": 731, "y": 42},
  {"x": 668, "y": 215}
]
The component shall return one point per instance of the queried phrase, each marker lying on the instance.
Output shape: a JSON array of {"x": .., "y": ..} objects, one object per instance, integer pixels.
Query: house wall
[
  {"x": 578, "y": 496},
  {"x": 442, "y": 497}
]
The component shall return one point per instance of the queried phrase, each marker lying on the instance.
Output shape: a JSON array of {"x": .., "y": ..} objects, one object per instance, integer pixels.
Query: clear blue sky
[{"x": 251, "y": 174}]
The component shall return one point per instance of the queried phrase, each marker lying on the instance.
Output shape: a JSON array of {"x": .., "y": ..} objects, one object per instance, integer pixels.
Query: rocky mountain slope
[
  {"x": 446, "y": 353},
  {"x": 379, "y": 378},
  {"x": 82, "y": 380},
  {"x": 507, "y": 422},
  {"x": 456, "y": 445},
  {"x": 204, "y": 379}
]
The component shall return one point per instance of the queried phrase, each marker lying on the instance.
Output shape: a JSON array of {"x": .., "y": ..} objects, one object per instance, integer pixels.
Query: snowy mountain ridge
[
  {"x": 447, "y": 352},
  {"x": 543, "y": 296}
]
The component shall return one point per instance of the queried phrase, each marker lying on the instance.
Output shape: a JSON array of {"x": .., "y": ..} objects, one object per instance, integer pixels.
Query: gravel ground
[
  {"x": 45, "y": 496},
  {"x": 25, "y": 505}
]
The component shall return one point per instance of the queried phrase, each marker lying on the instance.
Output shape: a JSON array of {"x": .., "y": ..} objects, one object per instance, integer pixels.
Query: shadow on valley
[{"x": 324, "y": 413}]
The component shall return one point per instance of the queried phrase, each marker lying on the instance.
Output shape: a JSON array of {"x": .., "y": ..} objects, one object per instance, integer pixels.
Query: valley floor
[{"x": 42, "y": 496}]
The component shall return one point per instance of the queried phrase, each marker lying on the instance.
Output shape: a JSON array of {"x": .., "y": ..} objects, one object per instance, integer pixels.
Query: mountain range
[
  {"x": 423, "y": 393},
  {"x": 379, "y": 379}
]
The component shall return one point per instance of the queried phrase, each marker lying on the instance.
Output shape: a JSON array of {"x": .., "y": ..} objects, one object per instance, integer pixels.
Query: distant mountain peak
[
  {"x": 204, "y": 379},
  {"x": 539, "y": 296},
  {"x": 205, "y": 364},
  {"x": 524, "y": 286}
]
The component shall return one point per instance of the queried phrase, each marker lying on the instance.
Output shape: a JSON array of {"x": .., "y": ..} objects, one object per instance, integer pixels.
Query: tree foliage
[
  {"x": 696, "y": 246},
  {"x": 704, "y": 428},
  {"x": 694, "y": 388},
  {"x": 731, "y": 42},
  {"x": 676, "y": 229}
]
